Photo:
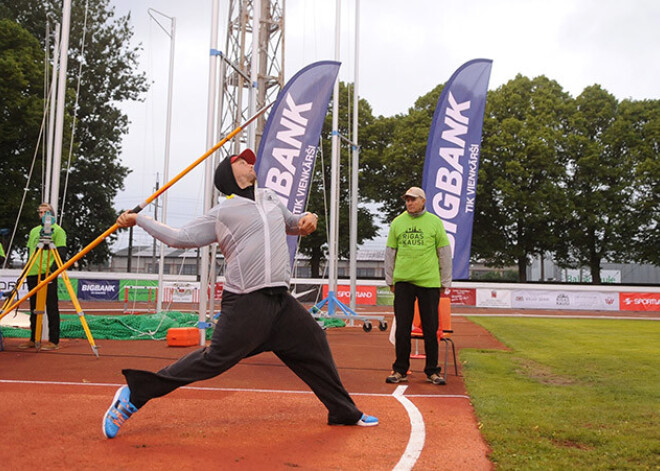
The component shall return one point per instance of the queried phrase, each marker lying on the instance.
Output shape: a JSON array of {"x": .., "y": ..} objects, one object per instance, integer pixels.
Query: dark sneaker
[
  {"x": 119, "y": 412},
  {"x": 396, "y": 377},
  {"x": 367, "y": 421},
  {"x": 436, "y": 379}
]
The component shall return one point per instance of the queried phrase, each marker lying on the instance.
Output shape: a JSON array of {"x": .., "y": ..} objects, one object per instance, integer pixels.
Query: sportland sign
[
  {"x": 639, "y": 301},
  {"x": 363, "y": 294},
  {"x": 287, "y": 152},
  {"x": 451, "y": 164}
]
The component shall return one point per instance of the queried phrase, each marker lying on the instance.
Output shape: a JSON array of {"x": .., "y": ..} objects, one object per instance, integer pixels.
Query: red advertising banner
[
  {"x": 464, "y": 296},
  {"x": 219, "y": 286},
  {"x": 363, "y": 294},
  {"x": 639, "y": 301}
]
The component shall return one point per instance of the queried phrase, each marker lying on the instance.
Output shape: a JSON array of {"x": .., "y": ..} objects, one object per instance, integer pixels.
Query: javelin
[{"x": 137, "y": 209}]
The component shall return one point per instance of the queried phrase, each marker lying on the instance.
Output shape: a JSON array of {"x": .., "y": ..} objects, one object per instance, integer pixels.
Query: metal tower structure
[
  {"x": 250, "y": 74},
  {"x": 248, "y": 81}
]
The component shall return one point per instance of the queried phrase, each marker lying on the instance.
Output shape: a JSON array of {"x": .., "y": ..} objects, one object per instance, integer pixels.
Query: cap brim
[{"x": 248, "y": 156}]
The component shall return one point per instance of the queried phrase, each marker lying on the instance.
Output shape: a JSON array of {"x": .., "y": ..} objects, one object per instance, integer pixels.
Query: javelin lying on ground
[{"x": 137, "y": 209}]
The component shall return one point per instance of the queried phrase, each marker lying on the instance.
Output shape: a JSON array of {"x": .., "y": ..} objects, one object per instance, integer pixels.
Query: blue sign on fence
[{"x": 98, "y": 290}]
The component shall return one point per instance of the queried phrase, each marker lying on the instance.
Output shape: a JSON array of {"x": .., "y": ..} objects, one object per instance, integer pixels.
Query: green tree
[
  {"x": 544, "y": 156},
  {"x": 21, "y": 112},
  {"x": 316, "y": 244},
  {"x": 395, "y": 160},
  {"x": 108, "y": 78},
  {"x": 521, "y": 202},
  {"x": 644, "y": 130},
  {"x": 613, "y": 180}
]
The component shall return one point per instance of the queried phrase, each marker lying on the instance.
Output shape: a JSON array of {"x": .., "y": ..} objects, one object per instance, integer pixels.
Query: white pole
[
  {"x": 356, "y": 157},
  {"x": 166, "y": 170},
  {"x": 220, "y": 88},
  {"x": 51, "y": 112},
  {"x": 61, "y": 103},
  {"x": 334, "y": 170},
  {"x": 59, "y": 123},
  {"x": 254, "y": 69},
  {"x": 208, "y": 170}
]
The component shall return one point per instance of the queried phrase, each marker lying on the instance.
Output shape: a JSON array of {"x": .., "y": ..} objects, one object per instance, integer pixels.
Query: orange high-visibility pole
[{"x": 137, "y": 209}]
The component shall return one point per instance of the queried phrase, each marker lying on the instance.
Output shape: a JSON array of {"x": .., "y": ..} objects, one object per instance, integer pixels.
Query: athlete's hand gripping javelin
[{"x": 127, "y": 219}]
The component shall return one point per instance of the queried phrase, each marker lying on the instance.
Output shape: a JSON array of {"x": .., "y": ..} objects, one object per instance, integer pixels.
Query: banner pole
[{"x": 137, "y": 209}]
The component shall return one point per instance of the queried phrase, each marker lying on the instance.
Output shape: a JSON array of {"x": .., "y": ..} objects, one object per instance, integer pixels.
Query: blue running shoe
[
  {"x": 119, "y": 412},
  {"x": 367, "y": 421}
]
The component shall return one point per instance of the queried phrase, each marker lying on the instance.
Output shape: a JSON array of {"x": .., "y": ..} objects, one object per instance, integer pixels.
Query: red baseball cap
[{"x": 246, "y": 155}]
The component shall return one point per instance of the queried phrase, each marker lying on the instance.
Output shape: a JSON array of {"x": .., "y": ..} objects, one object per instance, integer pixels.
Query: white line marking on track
[
  {"x": 417, "y": 432},
  {"x": 59, "y": 383},
  {"x": 652, "y": 317},
  {"x": 564, "y": 316},
  {"x": 199, "y": 388},
  {"x": 417, "y": 427}
]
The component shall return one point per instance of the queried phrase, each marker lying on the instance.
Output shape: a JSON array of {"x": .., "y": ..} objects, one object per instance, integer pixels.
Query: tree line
[
  {"x": 571, "y": 178},
  {"x": 109, "y": 76},
  {"x": 575, "y": 179}
]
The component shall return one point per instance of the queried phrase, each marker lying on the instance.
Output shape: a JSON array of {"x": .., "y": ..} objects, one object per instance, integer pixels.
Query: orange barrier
[{"x": 183, "y": 337}]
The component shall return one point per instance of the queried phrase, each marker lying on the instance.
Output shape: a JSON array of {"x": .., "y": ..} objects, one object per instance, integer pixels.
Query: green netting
[
  {"x": 129, "y": 327},
  {"x": 328, "y": 323},
  {"x": 121, "y": 327}
]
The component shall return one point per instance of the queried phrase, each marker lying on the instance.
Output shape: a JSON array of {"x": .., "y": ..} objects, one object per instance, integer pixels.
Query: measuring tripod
[{"x": 46, "y": 248}]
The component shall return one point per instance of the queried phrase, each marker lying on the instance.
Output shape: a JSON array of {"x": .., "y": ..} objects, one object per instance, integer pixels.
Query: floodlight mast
[
  {"x": 355, "y": 166},
  {"x": 60, "y": 103},
  {"x": 208, "y": 168},
  {"x": 168, "y": 129},
  {"x": 334, "y": 174},
  {"x": 51, "y": 112}
]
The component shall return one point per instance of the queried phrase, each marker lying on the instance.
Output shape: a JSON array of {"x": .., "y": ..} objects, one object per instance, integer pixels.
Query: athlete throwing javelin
[{"x": 258, "y": 312}]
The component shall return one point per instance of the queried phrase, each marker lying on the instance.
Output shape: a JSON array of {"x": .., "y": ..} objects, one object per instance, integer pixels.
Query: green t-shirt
[
  {"x": 416, "y": 241},
  {"x": 2, "y": 251},
  {"x": 58, "y": 237}
]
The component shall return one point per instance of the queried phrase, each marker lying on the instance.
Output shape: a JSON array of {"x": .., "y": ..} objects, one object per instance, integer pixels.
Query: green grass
[{"x": 570, "y": 393}]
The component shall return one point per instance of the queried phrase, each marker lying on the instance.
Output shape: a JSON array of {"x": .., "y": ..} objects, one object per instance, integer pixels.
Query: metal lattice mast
[
  {"x": 239, "y": 93},
  {"x": 236, "y": 77}
]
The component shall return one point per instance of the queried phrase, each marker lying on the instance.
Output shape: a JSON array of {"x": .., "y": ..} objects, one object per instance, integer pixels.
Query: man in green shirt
[
  {"x": 2, "y": 255},
  {"x": 418, "y": 264},
  {"x": 44, "y": 265}
]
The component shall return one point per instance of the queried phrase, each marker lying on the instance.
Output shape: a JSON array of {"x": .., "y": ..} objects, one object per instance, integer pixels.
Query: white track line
[
  {"x": 563, "y": 316},
  {"x": 253, "y": 390},
  {"x": 417, "y": 427},
  {"x": 653, "y": 316},
  {"x": 417, "y": 432}
]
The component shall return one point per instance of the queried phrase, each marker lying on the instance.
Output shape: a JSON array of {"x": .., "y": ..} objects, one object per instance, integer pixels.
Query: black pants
[
  {"x": 52, "y": 309},
  {"x": 404, "y": 312},
  {"x": 250, "y": 324}
]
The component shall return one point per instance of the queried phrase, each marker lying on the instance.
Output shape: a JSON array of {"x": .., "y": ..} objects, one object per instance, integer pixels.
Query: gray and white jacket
[{"x": 250, "y": 234}]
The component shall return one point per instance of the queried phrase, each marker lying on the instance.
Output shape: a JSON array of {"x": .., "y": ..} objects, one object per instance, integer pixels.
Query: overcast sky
[{"x": 405, "y": 50}]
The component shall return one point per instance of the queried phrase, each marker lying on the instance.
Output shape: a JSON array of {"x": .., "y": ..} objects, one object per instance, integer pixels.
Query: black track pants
[
  {"x": 404, "y": 311},
  {"x": 250, "y": 324},
  {"x": 52, "y": 309}
]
